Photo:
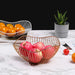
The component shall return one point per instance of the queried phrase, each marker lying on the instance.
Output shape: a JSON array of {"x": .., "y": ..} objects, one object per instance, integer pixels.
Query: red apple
[
  {"x": 48, "y": 52},
  {"x": 28, "y": 45},
  {"x": 25, "y": 47},
  {"x": 39, "y": 45},
  {"x": 34, "y": 45},
  {"x": 23, "y": 51},
  {"x": 22, "y": 44},
  {"x": 35, "y": 55}
]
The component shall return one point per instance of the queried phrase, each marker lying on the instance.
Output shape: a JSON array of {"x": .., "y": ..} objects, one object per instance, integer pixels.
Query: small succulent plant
[{"x": 61, "y": 18}]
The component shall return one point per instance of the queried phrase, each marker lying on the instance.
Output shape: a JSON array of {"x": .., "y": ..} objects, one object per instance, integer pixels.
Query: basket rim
[{"x": 35, "y": 37}]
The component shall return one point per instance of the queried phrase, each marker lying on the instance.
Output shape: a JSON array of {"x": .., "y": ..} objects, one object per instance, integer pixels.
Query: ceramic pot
[{"x": 61, "y": 31}]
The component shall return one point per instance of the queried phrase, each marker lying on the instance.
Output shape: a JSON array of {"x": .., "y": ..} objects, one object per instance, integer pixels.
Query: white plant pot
[{"x": 61, "y": 31}]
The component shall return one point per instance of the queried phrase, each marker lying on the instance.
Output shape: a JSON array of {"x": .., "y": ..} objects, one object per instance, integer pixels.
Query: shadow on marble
[
  {"x": 17, "y": 58},
  {"x": 72, "y": 62},
  {"x": 2, "y": 59}
]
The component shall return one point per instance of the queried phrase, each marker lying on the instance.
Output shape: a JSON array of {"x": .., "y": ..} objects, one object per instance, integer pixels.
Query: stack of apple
[{"x": 37, "y": 51}]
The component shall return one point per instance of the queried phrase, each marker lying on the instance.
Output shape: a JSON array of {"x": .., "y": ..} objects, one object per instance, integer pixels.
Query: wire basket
[{"x": 49, "y": 40}]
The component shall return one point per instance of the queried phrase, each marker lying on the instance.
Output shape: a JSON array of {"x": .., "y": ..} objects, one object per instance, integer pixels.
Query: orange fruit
[
  {"x": 18, "y": 25},
  {"x": 2, "y": 24},
  {"x": 73, "y": 57},
  {"x": 0, "y": 28},
  {"x": 4, "y": 30},
  {"x": 17, "y": 29},
  {"x": 21, "y": 30},
  {"x": 9, "y": 25},
  {"x": 11, "y": 32}
]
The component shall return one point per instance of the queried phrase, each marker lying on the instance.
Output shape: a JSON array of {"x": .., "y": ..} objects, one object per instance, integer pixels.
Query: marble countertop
[{"x": 12, "y": 64}]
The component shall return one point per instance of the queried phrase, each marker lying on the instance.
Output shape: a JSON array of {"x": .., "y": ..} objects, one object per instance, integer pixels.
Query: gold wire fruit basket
[{"x": 48, "y": 40}]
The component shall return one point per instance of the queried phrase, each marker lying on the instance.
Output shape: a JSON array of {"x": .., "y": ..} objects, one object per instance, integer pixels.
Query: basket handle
[{"x": 24, "y": 36}]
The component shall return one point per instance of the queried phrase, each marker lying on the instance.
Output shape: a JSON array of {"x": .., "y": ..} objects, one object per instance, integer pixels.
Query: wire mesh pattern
[{"x": 49, "y": 40}]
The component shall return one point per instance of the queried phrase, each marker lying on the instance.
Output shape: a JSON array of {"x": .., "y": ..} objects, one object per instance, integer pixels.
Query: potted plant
[{"x": 61, "y": 25}]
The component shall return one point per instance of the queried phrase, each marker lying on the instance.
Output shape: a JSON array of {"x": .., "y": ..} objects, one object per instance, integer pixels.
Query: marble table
[{"x": 12, "y": 64}]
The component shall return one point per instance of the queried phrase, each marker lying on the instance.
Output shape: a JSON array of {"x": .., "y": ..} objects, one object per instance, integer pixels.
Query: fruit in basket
[
  {"x": 11, "y": 32},
  {"x": 4, "y": 30},
  {"x": 9, "y": 25},
  {"x": 36, "y": 51},
  {"x": 39, "y": 45},
  {"x": 17, "y": 29},
  {"x": 35, "y": 55},
  {"x": 18, "y": 25},
  {"x": 2, "y": 24},
  {"x": 23, "y": 44},
  {"x": 23, "y": 51},
  {"x": 66, "y": 51},
  {"x": 40, "y": 56},
  {"x": 1, "y": 28},
  {"x": 48, "y": 52},
  {"x": 26, "y": 47},
  {"x": 9, "y": 28},
  {"x": 21, "y": 30}
]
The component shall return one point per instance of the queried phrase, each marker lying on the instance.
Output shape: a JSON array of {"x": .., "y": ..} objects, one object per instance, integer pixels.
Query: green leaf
[
  {"x": 58, "y": 14},
  {"x": 56, "y": 19},
  {"x": 64, "y": 14},
  {"x": 65, "y": 19},
  {"x": 61, "y": 18},
  {"x": 61, "y": 22}
]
